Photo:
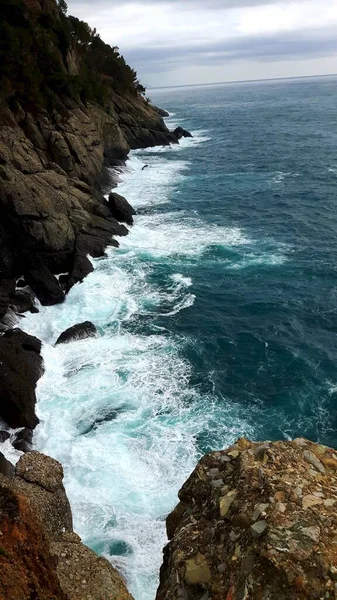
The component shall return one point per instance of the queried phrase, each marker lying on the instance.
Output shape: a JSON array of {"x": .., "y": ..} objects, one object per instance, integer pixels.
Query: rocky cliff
[
  {"x": 59, "y": 124},
  {"x": 41, "y": 558},
  {"x": 258, "y": 522}
]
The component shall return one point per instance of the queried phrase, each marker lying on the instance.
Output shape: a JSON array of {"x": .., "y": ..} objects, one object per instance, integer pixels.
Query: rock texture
[
  {"x": 20, "y": 369},
  {"x": 255, "y": 522},
  {"x": 41, "y": 558},
  {"x": 27, "y": 567}
]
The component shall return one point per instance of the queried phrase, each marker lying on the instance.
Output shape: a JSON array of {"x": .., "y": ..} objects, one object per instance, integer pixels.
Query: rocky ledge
[
  {"x": 255, "y": 522},
  {"x": 41, "y": 558}
]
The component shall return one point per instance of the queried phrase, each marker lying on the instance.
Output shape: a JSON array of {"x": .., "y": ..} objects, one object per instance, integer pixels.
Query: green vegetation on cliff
[{"x": 38, "y": 43}]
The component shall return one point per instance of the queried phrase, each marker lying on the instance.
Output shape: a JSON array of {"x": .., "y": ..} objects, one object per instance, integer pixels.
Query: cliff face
[
  {"x": 54, "y": 142},
  {"x": 258, "y": 522},
  {"x": 40, "y": 556}
]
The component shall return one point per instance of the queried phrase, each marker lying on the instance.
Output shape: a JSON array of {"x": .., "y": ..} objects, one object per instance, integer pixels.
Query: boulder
[
  {"x": 20, "y": 369},
  {"x": 120, "y": 208},
  {"x": 45, "y": 285},
  {"x": 22, "y": 301},
  {"x": 79, "y": 331},
  {"x": 179, "y": 132},
  {"x": 23, "y": 440},
  {"x": 255, "y": 521}
]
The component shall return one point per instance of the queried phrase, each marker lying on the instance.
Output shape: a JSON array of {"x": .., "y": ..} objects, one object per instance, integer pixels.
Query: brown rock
[
  {"x": 255, "y": 537},
  {"x": 40, "y": 555}
]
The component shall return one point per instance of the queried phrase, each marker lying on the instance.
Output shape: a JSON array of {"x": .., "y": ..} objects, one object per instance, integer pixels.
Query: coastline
[{"x": 6, "y": 447}]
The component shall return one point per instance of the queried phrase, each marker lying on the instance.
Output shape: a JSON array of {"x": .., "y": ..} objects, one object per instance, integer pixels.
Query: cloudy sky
[{"x": 179, "y": 42}]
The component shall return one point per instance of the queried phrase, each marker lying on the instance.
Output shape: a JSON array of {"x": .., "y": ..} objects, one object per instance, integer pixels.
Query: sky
[{"x": 186, "y": 42}]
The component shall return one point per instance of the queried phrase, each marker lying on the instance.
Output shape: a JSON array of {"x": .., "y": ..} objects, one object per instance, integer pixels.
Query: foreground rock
[
  {"x": 41, "y": 558},
  {"x": 20, "y": 369},
  {"x": 27, "y": 567},
  {"x": 257, "y": 522},
  {"x": 121, "y": 209},
  {"x": 77, "y": 332}
]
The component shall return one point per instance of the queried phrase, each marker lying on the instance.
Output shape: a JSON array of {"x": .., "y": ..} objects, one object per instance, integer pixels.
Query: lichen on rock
[{"x": 268, "y": 532}]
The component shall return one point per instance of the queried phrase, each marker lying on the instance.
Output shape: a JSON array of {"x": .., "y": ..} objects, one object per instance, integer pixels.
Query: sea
[{"x": 216, "y": 317}]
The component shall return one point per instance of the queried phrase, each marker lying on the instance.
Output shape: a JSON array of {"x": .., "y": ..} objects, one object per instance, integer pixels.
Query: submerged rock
[
  {"x": 269, "y": 531},
  {"x": 121, "y": 209},
  {"x": 77, "y": 332},
  {"x": 20, "y": 369}
]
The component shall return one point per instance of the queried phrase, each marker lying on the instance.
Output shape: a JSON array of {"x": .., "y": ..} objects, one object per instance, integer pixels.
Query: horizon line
[{"x": 166, "y": 87}]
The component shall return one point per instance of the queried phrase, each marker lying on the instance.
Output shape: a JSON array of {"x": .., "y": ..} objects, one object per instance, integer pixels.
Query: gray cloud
[
  {"x": 170, "y": 40},
  {"x": 289, "y": 45}
]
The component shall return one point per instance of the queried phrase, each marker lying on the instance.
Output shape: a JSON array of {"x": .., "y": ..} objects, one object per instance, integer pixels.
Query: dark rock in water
[
  {"x": 20, "y": 369},
  {"x": 77, "y": 332},
  {"x": 23, "y": 440},
  {"x": 6, "y": 467},
  {"x": 4, "y": 435},
  {"x": 179, "y": 132},
  {"x": 120, "y": 208},
  {"x": 22, "y": 301},
  {"x": 45, "y": 285},
  {"x": 161, "y": 111},
  {"x": 7, "y": 287},
  {"x": 80, "y": 269}
]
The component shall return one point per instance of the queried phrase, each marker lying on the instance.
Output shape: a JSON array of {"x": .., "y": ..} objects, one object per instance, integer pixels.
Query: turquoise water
[{"x": 217, "y": 316}]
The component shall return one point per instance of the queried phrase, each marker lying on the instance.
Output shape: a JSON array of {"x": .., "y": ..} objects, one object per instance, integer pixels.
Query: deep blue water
[
  {"x": 217, "y": 316},
  {"x": 264, "y": 333}
]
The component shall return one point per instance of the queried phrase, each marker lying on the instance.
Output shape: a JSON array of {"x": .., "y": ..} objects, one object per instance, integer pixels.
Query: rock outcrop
[
  {"x": 180, "y": 132},
  {"x": 20, "y": 369},
  {"x": 40, "y": 555},
  {"x": 258, "y": 522},
  {"x": 80, "y": 331},
  {"x": 121, "y": 209}
]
